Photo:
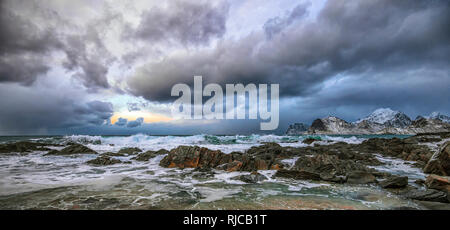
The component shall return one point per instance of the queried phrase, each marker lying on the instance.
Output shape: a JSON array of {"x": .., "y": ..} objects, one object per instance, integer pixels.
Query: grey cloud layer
[
  {"x": 347, "y": 37},
  {"x": 185, "y": 22},
  {"x": 26, "y": 46}
]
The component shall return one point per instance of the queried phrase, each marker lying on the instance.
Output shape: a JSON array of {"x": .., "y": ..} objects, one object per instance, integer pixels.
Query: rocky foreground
[{"x": 319, "y": 162}]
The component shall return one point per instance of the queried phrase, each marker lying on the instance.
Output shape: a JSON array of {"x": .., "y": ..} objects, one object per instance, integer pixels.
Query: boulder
[
  {"x": 441, "y": 183},
  {"x": 395, "y": 182},
  {"x": 104, "y": 160},
  {"x": 72, "y": 149},
  {"x": 360, "y": 177},
  {"x": 308, "y": 141},
  {"x": 328, "y": 164},
  {"x": 149, "y": 154},
  {"x": 130, "y": 151},
  {"x": 252, "y": 178},
  {"x": 297, "y": 175},
  {"x": 262, "y": 158},
  {"x": 193, "y": 157},
  {"x": 427, "y": 195},
  {"x": 22, "y": 146},
  {"x": 440, "y": 162}
]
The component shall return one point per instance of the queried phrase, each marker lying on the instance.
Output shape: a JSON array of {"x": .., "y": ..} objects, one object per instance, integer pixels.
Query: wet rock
[
  {"x": 308, "y": 141},
  {"x": 297, "y": 175},
  {"x": 406, "y": 149},
  {"x": 111, "y": 154},
  {"x": 197, "y": 157},
  {"x": 440, "y": 162},
  {"x": 360, "y": 177},
  {"x": 328, "y": 164},
  {"x": 332, "y": 178},
  {"x": 419, "y": 181},
  {"x": 130, "y": 151},
  {"x": 252, "y": 178},
  {"x": 434, "y": 205},
  {"x": 193, "y": 157},
  {"x": 441, "y": 183},
  {"x": 104, "y": 160},
  {"x": 22, "y": 146},
  {"x": 73, "y": 149},
  {"x": 149, "y": 154},
  {"x": 427, "y": 195},
  {"x": 395, "y": 182}
]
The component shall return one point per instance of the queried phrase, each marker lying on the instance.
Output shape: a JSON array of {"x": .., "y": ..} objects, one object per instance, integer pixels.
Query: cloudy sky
[{"x": 107, "y": 67}]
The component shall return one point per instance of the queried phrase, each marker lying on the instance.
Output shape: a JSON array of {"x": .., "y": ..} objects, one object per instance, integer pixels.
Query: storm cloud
[
  {"x": 345, "y": 37},
  {"x": 43, "y": 111},
  {"x": 77, "y": 65},
  {"x": 185, "y": 22}
]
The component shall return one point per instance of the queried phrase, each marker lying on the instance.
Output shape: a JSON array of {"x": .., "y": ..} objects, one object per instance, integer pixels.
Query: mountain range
[{"x": 381, "y": 121}]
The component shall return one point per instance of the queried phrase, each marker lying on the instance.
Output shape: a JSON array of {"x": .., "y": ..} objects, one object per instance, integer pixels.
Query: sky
[{"x": 107, "y": 67}]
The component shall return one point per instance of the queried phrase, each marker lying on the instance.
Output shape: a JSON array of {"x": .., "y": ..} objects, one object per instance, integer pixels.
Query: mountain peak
[
  {"x": 439, "y": 116},
  {"x": 387, "y": 116},
  {"x": 380, "y": 116}
]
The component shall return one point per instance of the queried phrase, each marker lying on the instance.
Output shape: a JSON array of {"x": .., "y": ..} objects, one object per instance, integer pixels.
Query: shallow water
[{"x": 34, "y": 181}]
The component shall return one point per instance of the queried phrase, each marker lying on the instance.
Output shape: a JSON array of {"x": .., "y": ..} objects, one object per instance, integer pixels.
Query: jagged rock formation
[
  {"x": 381, "y": 121},
  {"x": 297, "y": 129}
]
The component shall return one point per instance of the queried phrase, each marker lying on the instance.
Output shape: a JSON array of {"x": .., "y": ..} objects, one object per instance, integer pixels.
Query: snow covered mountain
[
  {"x": 388, "y": 118},
  {"x": 381, "y": 121},
  {"x": 439, "y": 116}
]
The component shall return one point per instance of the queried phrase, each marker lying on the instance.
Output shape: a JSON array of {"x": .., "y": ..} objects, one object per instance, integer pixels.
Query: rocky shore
[{"x": 335, "y": 163}]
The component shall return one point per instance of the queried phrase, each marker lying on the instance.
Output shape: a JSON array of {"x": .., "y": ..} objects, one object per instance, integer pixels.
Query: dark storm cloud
[
  {"x": 347, "y": 37},
  {"x": 38, "y": 111},
  {"x": 26, "y": 46},
  {"x": 135, "y": 123},
  {"x": 185, "y": 22},
  {"x": 23, "y": 47}
]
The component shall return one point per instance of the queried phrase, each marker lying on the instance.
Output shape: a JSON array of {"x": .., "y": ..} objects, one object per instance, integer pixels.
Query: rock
[
  {"x": 261, "y": 158},
  {"x": 111, "y": 154},
  {"x": 104, "y": 160},
  {"x": 252, "y": 178},
  {"x": 427, "y": 195},
  {"x": 360, "y": 177},
  {"x": 308, "y": 141},
  {"x": 297, "y": 175},
  {"x": 130, "y": 151},
  {"x": 405, "y": 149},
  {"x": 73, "y": 149},
  {"x": 441, "y": 183},
  {"x": 328, "y": 164},
  {"x": 419, "y": 181},
  {"x": 440, "y": 161},
  {"x": 332, "y": 178},
  {"x": 395, "y": 182},
  {"x": 318, "y": 125},
  {"x": 22, "y": 146},
  {"x": 434, "y": 205},
  {"x": 149, "y": 154},
  {"x": 297, "y": 129},
  {"x": 193, "y": 157}
]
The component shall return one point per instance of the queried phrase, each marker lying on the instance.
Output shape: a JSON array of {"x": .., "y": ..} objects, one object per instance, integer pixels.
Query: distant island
[{"x": 381, "y": 121}]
